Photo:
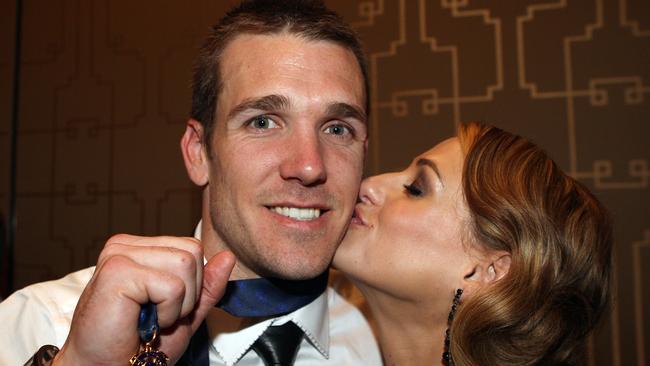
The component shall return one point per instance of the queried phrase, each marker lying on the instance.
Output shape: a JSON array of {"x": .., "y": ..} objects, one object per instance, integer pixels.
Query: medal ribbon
[
  {"x": 265, "y": 297},
  {"x": 257, "y": 297},
  {"x": 148, "y": 330}
]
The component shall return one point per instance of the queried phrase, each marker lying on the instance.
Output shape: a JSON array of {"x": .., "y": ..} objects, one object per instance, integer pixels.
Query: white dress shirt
[
  {"x": 339, "y": 336},
  {"x": 336, "y": 332}
]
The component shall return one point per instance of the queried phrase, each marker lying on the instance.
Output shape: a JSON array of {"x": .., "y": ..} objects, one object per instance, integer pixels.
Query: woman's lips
[{"x": 357, "y": 217}]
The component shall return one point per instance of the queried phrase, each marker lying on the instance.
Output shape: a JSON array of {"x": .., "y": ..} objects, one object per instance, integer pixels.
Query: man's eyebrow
[
  {"x": 431, "y": 164},
  {"x": 266, "y": 103},
  {"x": 347, "y": 111}
]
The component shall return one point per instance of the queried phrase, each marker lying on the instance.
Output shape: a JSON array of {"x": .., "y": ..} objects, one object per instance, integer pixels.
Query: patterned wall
[
  {"x": 105, "y": 96},
  {"x": 7, "y": 26}
]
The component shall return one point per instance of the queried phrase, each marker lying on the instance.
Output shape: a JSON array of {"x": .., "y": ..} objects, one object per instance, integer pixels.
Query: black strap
[
  {"x": 44, "y": 356},
  {"x": 197, "y": 353}
]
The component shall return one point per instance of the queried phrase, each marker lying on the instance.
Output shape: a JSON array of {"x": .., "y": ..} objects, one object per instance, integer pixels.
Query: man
[{"x": 277, "y": 140}]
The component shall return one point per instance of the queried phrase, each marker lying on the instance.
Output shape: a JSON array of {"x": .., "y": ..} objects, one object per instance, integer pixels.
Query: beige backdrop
[{"x": 105, "y": 94}]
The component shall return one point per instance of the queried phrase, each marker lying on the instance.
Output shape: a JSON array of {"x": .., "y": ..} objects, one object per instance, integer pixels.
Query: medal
[
  {"x": 149, "y": 356},
  {"x": 148, "y": 331}
]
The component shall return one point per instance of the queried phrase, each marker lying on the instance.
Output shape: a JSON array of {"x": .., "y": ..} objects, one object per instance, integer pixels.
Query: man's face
[{"x": 287, "y": 153}]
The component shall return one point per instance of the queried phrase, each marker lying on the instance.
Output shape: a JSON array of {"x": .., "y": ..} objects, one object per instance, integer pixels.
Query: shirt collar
[{"x": 232, "y": 344}]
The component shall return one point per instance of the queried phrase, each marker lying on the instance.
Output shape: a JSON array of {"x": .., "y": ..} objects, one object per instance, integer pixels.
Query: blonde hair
[{"x": 560, "y": 240}]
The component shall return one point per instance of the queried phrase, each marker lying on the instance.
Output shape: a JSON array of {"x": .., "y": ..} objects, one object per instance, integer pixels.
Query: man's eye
[
  {"x": 262, "y": 122},
  {"x": 413, "y": 190},
  {"x": 339, "y": 130}
]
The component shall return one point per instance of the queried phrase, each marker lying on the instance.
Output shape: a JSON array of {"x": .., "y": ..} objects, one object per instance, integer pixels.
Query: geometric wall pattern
[{"x": 105, "y": 95}]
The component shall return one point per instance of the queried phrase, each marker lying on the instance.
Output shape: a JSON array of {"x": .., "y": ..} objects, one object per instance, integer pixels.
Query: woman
[{"x": 483, "y": 229}]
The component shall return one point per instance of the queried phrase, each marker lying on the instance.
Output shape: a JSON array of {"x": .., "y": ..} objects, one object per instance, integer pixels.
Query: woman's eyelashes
[
  {"x": 413, "y": 190},
  {"x": 420, "y": 186}
]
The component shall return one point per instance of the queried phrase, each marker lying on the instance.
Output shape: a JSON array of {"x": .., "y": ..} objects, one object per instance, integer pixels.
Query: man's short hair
[{"x": 305, "y": 18}]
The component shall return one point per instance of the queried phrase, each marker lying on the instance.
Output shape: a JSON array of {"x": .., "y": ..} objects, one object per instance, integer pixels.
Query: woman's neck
[{"x": 410, "y": 333}]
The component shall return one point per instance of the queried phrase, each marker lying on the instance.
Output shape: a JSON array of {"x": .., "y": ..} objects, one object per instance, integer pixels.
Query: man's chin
[{"x": 294, "y": 271}]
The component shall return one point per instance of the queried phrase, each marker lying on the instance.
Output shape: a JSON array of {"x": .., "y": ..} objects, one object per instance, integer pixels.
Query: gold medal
[{"x": 149, "y": 355}]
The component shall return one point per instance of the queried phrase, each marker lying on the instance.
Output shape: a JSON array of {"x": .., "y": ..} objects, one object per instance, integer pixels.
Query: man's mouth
[{"x": 300, "y": 214}]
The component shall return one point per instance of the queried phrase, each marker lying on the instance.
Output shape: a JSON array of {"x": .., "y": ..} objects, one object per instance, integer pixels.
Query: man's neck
[{"x": 242, "y": 273}]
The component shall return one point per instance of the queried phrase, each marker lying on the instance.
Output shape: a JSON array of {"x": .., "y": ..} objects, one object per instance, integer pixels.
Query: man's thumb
[{"x": 215, "y": 277}]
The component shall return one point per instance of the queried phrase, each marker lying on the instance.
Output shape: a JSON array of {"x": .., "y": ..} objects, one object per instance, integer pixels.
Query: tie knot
[{"x": 278, "y": 345}]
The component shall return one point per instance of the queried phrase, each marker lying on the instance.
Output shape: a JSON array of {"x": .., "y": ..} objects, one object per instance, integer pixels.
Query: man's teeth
[{"x": 302, "y": 214}]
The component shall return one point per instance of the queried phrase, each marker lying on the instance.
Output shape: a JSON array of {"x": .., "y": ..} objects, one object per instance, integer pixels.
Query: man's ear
[
  {"x": 365, "y": 149},
  {"x": 194, "y": 154}
]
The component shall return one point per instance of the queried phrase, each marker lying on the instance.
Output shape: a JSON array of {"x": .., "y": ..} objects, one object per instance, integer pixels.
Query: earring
[{"x": 446, "y": 355}]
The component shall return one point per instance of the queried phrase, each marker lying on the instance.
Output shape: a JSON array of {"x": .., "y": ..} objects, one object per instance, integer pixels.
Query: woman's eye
[
  {"x": 339, "y": 130},
  {"x": 262, "y": 122},
  {"x": 413, "y": 190}
]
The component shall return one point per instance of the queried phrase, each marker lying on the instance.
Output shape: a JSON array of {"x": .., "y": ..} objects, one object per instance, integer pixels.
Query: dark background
[{"x": 104, "y": 96}]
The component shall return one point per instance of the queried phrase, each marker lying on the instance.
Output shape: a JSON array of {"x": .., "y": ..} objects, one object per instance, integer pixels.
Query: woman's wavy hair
[{"x": 560, "y": 240}]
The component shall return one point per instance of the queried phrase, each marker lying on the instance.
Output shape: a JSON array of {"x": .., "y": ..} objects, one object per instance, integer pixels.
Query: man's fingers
[
  {"x": 135, "y": 284},
  {"x": 188, "y": 244},
  {"x": 215, "y": 277},
  {"x": 164, "y": 259},
  {"x": 181, "y": 256}
]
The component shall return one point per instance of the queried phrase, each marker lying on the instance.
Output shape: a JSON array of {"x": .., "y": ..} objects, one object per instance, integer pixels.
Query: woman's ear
[
  {"x": 487, "y": 269},
  {"x": 499, "y": 266},
  {"x": 194, "y": 154}
]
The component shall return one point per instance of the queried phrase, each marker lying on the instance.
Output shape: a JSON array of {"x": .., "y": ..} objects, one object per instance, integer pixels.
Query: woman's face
[{"x": 406, "y": 237}]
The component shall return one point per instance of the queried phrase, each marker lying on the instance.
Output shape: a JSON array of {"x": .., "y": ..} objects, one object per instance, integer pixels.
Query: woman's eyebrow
[{"x": 431, "y": 164}]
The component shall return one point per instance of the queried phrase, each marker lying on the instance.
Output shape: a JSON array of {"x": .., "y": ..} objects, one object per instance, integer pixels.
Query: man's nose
[{"x": 304, "y": 160}]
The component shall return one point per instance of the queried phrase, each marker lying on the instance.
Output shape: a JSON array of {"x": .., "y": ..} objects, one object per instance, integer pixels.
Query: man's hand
[{"x": 134, "y": 270}]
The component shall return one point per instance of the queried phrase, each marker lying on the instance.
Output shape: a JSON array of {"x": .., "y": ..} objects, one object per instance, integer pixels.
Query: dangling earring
[{"x": 446, "y": 355}]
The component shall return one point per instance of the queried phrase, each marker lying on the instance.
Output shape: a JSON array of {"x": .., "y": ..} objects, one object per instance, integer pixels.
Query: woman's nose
[{"x": 374, "y": 189}]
